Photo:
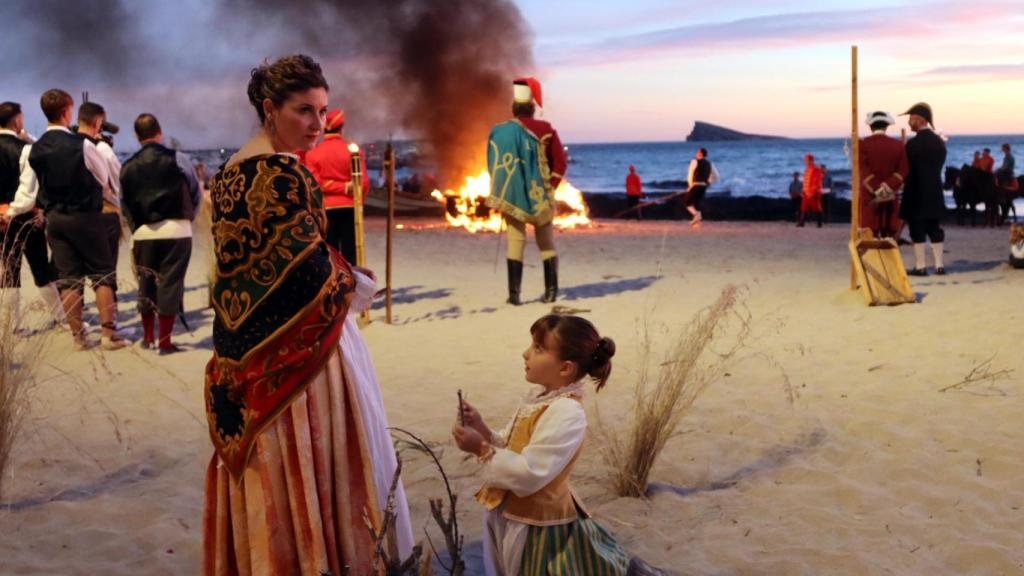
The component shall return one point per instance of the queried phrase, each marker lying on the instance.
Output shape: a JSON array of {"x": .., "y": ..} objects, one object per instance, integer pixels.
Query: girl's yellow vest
[{"x": 551, "y": 505}]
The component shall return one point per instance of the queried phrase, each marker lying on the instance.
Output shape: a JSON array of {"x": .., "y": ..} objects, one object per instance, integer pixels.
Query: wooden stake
[
  {"x": 855, "y": 164},
  {"x": 389, "y": 177},
  {"x": 357, "y": 194}
]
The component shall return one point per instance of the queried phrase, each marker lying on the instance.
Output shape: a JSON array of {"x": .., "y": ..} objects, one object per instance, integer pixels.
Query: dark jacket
[
  {"x": 922, "y": 195},
  {"x": 154, "y": 188}
]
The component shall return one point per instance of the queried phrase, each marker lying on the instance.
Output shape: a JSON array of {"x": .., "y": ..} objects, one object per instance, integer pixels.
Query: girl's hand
[
  {"x": 468, "y": 439},
  {"x": 471, "y": 418}
]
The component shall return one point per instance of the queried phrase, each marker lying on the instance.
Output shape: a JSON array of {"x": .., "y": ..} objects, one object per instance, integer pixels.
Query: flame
[{"x": 472, "y": 214}]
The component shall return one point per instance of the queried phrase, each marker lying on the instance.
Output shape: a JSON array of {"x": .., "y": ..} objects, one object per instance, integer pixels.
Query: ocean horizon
[{"x": 746, "y": 168}]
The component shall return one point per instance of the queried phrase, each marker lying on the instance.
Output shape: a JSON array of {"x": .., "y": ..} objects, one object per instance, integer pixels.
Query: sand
[{"x": 828, "y": 449}]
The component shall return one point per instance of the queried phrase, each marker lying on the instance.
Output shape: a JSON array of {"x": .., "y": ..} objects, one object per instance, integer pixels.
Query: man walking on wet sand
[{"x": 700, "y": 175}]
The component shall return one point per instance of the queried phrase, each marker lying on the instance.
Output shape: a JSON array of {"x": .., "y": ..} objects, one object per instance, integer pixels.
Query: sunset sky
[
  {"x": 641, "y": 70},
  {"x": 646, "y": 69}
]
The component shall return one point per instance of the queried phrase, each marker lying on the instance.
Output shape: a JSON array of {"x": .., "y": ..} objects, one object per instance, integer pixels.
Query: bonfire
[{"x": 466, "y": 208}]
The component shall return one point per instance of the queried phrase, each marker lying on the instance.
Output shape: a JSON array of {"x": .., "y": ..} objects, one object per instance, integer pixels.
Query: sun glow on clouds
[{"x": 780, "y": 69}]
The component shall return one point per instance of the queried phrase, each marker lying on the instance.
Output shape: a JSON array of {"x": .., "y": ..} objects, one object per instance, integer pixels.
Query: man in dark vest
[
  {"x": 71, "y": 176},
  {"x": 21, "y": 223},
  {"x": 160, "y": 194},
  {"x": 700, "y": 175},
  {"x": 923, "y": 201}
]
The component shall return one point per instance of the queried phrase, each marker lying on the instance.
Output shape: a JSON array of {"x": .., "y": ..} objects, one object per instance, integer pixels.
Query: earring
[{"x": 271, "y": 126}]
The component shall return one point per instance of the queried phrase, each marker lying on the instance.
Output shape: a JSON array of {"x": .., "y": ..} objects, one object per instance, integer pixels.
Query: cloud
[
  {"x": 985, "y": 71},
  {"x": 901, "y": 23}
]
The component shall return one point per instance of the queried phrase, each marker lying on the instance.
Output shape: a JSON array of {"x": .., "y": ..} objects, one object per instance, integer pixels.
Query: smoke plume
[{"x": 436, "y": 70}]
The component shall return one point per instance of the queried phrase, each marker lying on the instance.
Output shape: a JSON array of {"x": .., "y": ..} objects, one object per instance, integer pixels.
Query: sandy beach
[{"x": 829, "y": 448}]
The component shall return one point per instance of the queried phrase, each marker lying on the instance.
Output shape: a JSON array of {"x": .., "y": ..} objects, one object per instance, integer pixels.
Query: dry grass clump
[
  {"x": 693, "y": 362},
  {"x": 20, "y": 356}
]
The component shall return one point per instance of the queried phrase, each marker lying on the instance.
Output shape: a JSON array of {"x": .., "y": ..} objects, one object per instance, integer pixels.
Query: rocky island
[{"x": 705, "y": 132}]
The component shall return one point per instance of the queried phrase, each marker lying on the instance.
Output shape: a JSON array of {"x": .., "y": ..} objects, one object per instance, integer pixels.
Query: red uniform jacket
[
  {"x": 557, "y": 162},
  {"x": 331, "y": 164},
  {"x": 883, "y": 160},
  {"x": 812, "y": 190},
  {"x": 634, "y": 187}
]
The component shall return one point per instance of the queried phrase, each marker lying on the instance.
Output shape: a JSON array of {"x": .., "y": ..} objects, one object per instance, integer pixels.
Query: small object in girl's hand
[
  {"x": 462, "y": 407},
  {"x": 380, "y": 293}
]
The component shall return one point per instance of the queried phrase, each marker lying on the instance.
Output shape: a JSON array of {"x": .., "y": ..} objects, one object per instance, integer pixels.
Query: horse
[
  {"x": 966, "y": 194},
  {"x": 978, "y": 186},
  {"x": 1007, "y": 192}
]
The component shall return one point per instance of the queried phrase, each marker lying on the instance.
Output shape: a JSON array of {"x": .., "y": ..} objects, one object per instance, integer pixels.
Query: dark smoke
[
  {"x": 442, "y": 68},
  {"x": 436, "y": 70}
]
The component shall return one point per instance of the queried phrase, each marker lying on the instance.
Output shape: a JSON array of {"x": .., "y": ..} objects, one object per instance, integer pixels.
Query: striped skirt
[{"x": 581, "y": 547}]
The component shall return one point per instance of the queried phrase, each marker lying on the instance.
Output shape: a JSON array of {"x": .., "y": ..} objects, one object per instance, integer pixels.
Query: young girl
[{"x": 535, "y": 524}]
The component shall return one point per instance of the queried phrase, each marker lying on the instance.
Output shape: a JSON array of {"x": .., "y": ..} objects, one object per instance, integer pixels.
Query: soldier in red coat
[
  {"x": 331, "y": 164},
  {"x": 883, "y": 168},
  {"x": 812, "y": 191}
]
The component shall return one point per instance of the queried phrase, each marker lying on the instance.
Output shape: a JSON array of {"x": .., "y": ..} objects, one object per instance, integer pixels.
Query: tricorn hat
[
  {"x": 526, "y": 90},
  {"x": 879, "y": 116},
  {"x": 921, "y": 109}
]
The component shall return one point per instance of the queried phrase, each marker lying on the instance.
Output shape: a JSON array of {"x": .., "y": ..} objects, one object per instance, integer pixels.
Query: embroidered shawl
[{"x": 280, "y": 297}]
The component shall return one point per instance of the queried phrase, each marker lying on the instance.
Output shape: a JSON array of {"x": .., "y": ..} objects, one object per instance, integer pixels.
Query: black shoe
[
  {"x": 940, "y": 271},
  {"x": 918, "y": 272},
  {"x": 550, "y": 279},
  {"x": 515, "y": 280},
  {"x": 169, "y": 349}
]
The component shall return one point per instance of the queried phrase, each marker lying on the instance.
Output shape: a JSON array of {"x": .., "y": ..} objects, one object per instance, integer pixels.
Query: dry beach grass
[{"x": 869, "y": 469}]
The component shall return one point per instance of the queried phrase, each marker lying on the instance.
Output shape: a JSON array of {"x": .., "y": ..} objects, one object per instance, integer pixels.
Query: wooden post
[
  {"x": 389, "y": 178},
  {"x": 855, "y": 165},
  {"x": 357, "y": 196}
]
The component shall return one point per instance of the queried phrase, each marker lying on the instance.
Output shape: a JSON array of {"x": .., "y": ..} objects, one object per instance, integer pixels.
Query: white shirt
[
  {"x": 28, "y": 185},
  {"x": 112, "y": 188},
  {"x": 556, "y": 439}
]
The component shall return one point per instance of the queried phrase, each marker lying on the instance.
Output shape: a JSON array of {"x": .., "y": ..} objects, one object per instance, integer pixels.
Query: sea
[{"x": 746, "y": 168}]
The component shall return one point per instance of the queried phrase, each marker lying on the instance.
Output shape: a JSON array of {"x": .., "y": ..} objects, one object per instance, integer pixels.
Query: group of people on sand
[
  {"x": 701, "y": 174},
  {"x": 65, "y": 201},
  {"x": 303, "y": 460}
]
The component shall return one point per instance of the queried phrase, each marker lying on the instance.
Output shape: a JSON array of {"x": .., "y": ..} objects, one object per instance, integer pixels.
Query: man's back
[{"x": 65, "y": 183}]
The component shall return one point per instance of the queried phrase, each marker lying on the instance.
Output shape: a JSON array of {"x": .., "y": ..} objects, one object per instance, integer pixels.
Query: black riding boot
[
  {"x": 515, "y": 280},
  {"x": 550, "y": 279}
]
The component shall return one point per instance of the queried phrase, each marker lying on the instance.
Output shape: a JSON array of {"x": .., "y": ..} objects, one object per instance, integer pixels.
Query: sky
[
  {"x": 647, "y": 69},
  {"x": 642, "y": 70}
]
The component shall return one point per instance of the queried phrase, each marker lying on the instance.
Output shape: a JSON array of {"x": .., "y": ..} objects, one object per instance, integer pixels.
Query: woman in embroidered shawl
[
  {"x": 534, "y": 524},
  {"x": 303, "y": 459}
]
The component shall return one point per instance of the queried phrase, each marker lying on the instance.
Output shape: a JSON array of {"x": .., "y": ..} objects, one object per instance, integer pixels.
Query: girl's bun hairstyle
[
  {"x": 278, "y": 81},
  {"x": 576, "y": 340}
]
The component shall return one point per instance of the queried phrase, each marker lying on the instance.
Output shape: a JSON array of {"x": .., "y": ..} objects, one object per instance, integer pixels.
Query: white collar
[
  {"x": 8, "y": 132},
  {"x": 61, "y": 128},
  {"x": 536, "y": 396},
  {"x": 882, "y": 132}
]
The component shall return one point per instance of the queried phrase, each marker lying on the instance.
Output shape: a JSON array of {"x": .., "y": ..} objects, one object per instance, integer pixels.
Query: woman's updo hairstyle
[
  {"x": 575, "y": 339},
  {"x": 286, "y": 76}
]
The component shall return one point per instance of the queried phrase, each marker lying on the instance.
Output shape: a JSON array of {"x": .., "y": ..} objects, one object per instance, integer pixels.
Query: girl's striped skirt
[{"x": 582, "y": 547}]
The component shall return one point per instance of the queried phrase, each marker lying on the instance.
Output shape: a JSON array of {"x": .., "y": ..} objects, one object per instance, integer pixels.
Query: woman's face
[{"x": 299, "y": 121}]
